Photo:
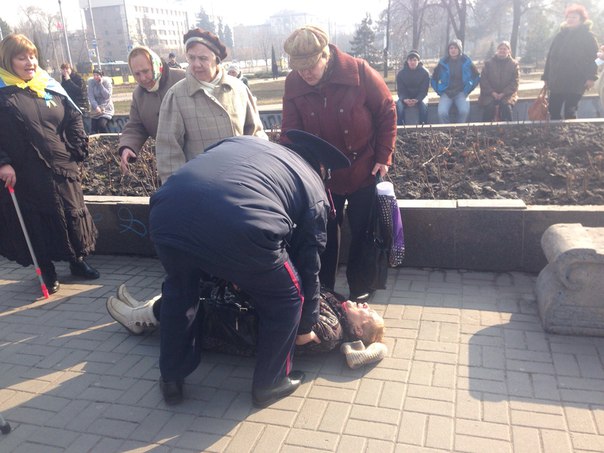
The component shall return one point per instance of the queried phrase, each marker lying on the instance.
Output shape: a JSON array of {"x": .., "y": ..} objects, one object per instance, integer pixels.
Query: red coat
[{"x": 352, "y": 109}]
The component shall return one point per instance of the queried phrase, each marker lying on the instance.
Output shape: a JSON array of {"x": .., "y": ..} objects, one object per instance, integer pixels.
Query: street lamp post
[
  {"x": 65, "y": 33},
  {"x": 95, "y": 43}
]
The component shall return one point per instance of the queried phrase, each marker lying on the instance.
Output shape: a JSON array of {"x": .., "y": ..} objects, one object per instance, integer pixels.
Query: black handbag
[
  {"x": 229, "y": 321},
  {"x": 375, "y": 247}
]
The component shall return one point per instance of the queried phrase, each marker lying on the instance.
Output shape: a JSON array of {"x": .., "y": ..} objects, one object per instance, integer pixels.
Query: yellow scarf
[{"x": 37, "y": 84}]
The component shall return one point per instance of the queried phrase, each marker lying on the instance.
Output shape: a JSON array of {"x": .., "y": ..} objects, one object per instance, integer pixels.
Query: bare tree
[{"x": 457, "y": 11}]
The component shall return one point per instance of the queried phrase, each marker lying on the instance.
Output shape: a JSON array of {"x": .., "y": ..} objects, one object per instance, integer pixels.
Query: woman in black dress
[{"x": 42, "y": 140}]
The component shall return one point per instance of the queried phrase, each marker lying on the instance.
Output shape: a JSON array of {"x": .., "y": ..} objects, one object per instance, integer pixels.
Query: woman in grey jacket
[
  {"x": 154, "y": 78},
  {"x": 100, "y": 89}
]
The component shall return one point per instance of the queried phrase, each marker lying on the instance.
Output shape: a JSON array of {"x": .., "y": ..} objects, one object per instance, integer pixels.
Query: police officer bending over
[{"x": 254, "y": 213}]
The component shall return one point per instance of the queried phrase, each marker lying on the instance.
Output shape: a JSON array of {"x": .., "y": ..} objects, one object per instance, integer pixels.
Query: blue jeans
[
  {"x": 400, "y": 112},
  {"x": 461, "y": 102}
]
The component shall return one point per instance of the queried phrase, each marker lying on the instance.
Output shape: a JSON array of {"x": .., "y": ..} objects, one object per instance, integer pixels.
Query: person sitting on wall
[
  {"x": 499, "y": 85},
  {"x": 100, "y": 90},
  {"x": 234, "y": 71},
  {"x": 412, "y": 83},
  {"x": 454, "y": 78}
]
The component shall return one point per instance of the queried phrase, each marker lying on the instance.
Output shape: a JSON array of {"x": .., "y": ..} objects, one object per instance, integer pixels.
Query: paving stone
[{"x": 469, "y": 368}]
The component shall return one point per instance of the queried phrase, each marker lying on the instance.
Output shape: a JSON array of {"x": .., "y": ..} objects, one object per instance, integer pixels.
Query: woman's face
[
  {"x": 25, "y": 65},
  {"x": 142, "y": 71},
  {"x": 503, "y": 51},
  {"x": 313, "y": 75},
  {"x": 573, "y": 20},
  {"x": 202, "y": 62},
  {"x": 358, "y": 314}
]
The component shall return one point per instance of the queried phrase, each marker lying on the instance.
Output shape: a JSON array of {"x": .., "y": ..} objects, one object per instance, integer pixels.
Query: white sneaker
[{"x": 137, "y": 319}]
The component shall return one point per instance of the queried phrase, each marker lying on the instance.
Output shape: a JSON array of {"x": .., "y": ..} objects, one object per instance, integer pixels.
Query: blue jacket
[
  {"x": 440, "y": 76},
  {"x": 246, "y": 205}
]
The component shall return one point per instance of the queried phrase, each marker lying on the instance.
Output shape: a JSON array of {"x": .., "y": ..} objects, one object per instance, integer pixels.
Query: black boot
[
  {"x": 287, "y": 386},
  {"x": 80, "y": 268},
  {"x": 49, "y": 275},
  {"x": 171, "y": 391}
]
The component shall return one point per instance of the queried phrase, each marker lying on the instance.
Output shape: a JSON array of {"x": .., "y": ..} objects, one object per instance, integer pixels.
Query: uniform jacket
[
  {"x": 144, "y": 111},
  {"x": 99, "y": 95},
  {"x": 441, "y": 74},
  {"x": 412, "y": 83},
  {"x": 190, "y": 120},
  {"x": 501, "y": 76},
  {"x": 352, "y": 109},
  {"x": 571, "y": 60},
  {"x": 249, "y": 205}
]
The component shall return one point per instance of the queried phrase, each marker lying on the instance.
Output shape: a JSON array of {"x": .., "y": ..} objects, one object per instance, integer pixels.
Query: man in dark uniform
[{"x": 254, "y": 213}]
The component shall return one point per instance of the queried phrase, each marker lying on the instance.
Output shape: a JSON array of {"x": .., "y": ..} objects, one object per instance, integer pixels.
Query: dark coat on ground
[
  {"x": 413, "y": 83},
  {"x": 499, "y": 75},
  {"x": 144, "y": 111},
  {"x": 48, "y": 175},
  {"x": 352, "y": 109},
  {"x": 246, "y": 205},
  {"x": 76, "y": 89},
  {"x": 571, "y": 60}
]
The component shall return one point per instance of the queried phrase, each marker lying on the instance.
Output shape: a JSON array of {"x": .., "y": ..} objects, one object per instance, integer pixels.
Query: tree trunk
[{"x": 516, "y": 14}]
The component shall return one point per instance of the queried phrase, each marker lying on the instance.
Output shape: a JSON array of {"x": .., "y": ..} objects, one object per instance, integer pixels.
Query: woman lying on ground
[{"x": 353, "y": 327}]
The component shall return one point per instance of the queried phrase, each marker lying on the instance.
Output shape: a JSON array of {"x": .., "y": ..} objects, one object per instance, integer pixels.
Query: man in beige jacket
[{"x": 208, "y": 106}]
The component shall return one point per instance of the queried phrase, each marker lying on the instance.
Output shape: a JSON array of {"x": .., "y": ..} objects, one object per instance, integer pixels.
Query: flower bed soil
[{"x": 540, "y": 164}]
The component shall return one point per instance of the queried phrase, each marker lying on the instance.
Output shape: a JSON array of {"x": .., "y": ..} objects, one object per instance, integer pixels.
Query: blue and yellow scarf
[{"x": 41, "y": 84}]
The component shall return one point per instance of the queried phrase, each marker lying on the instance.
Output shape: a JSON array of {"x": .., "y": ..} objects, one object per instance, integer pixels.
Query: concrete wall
[{"x": 489, "y": 235}]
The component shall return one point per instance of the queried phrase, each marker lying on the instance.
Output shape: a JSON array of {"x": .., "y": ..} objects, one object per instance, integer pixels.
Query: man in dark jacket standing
[
  {"x": 454, "y": 78},
  {"x": 412, "y": 83},
  {"x": 254, "y": 213}
]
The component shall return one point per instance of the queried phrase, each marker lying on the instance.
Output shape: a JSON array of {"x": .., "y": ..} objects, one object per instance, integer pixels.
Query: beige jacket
[
  {"x": 144, "y": 111},
  {"x": 190, "y": 120}
]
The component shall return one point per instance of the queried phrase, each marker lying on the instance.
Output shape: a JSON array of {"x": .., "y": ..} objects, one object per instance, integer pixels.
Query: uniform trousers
[{"x": 276, "y": 293}]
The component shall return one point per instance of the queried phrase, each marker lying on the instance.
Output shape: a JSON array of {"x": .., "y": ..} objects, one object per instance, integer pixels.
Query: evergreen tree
[
  {"x": 204, "y": 21},
  {"x": 5, "y": 28},
  {"x": 228, "y": 36},
  {"x": 362, "y": 43},
  {"x": 220, "y": 31}
]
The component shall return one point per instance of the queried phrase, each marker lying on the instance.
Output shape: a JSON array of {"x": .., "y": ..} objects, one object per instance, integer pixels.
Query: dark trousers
[
  {"x": 505, "y": 112},
  {"x": 570, "y": 102},
  {"x": 275, "y": 293},
  {"x": 357, "y": 214},
  {"x": 99, "y": 125}
]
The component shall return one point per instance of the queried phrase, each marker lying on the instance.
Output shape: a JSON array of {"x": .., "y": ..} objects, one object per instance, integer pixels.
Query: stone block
[{"x": 570, "y": 289}]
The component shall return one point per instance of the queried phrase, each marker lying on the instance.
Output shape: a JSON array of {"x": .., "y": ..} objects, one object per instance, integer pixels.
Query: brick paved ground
[{"x": 469, "y": 370}]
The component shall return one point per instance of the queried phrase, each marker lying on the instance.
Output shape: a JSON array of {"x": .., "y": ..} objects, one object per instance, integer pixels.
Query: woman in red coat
[{"x": 347, "y": 103}]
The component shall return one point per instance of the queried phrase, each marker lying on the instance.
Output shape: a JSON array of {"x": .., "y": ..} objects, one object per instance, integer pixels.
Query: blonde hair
[
  {"x": 13, "y": 45},
  {"x": 373, "y": 330}
]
